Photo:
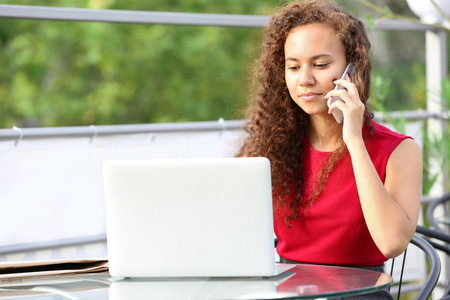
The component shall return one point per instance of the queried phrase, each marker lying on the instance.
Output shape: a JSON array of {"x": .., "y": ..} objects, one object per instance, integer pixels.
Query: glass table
[{"x": 300, "y": 282}]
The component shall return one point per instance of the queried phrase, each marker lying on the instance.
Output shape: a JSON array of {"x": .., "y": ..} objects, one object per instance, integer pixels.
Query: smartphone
[{"x": 337, "y": 113}]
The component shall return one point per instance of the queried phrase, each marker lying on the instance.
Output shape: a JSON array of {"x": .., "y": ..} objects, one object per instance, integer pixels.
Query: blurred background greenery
[{"x": 64, "y": 73}]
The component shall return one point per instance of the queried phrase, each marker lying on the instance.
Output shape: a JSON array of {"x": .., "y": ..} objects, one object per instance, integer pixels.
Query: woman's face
[{"x": 314, "y": 57}]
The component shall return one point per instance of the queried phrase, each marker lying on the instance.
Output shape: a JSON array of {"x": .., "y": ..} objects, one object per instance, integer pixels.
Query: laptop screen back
[{"x": 189, "y": 217}]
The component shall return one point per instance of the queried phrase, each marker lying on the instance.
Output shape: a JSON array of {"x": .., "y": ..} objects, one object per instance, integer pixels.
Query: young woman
[{"x": 343, "y": 193}]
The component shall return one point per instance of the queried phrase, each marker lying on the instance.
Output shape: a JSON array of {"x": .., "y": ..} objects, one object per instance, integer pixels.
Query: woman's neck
[{"x": 325, "y": 134}]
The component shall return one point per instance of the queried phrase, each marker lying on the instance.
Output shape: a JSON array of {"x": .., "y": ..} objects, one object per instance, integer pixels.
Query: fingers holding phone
[
  {"x": 344, "y": 91},
  {"x": 347, "y": 103}
]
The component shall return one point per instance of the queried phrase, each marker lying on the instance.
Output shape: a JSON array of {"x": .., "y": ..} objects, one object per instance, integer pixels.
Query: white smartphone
[{"x": 337, "y": 113}]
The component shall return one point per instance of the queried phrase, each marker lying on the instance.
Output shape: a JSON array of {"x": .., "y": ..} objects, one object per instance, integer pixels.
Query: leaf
[
  {"x": 428, "y": 184},
  {"x": 446, "y": 90},
  {"x": 388, "y": 10},
  {"x": 370, "y": 21}
]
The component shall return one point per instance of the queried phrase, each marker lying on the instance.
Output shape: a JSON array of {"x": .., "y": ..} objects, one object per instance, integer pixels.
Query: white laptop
[{"x": 189, "y": 217}]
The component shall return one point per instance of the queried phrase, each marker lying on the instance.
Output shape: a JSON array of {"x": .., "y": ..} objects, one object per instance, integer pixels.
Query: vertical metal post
[{"x": 436, "y": 71}]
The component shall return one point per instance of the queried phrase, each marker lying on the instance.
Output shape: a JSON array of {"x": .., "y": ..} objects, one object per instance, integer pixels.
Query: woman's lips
[{"x": 309, "y": 96}]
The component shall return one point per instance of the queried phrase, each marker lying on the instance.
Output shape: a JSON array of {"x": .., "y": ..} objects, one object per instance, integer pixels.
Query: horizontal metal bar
[
  {"x": 411, "y": 115},
  {"x": 168, "y": 18},
  {"x": 129, "y": 16},
  {"x": 402, "y": 25},
  {"x": 53, "y": 244},
  {"x": 426, "y": 199},
  {"x": 90, "y": 131}
]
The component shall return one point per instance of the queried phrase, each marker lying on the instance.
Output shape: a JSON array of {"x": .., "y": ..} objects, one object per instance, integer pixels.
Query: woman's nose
[{"x": 306, "y": 77}]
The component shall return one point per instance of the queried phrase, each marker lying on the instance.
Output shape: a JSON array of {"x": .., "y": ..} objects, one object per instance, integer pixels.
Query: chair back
[
  {"x": 435, "y": 266},
  {"x": 431, "y": 209}
]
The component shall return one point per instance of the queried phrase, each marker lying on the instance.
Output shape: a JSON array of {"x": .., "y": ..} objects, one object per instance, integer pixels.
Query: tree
[{"x": 60, "y": 73}]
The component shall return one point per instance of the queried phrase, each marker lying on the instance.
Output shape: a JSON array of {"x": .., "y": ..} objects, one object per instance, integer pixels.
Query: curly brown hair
[{"x": 277, "y": 125}]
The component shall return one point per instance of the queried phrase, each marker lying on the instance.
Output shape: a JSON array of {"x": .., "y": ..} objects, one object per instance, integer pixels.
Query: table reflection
[
  {"x": 302, "y": 281},
  {"x": 197, "y": 288},
  {"x": 299, "y": 282}
]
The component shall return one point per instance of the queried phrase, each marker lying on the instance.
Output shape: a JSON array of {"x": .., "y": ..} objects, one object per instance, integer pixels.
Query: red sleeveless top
[{"x": 333, "y": 230}]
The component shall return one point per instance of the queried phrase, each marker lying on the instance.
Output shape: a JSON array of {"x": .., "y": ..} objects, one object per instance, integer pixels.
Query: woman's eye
[
  {"x": 321, "y": 65},
  {"x": 293, "y": 68}
]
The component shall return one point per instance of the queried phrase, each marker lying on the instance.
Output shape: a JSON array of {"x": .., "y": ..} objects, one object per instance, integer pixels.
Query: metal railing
[
  {"x": 168, "y": 18},
  {"x": 89, "y": 131}
]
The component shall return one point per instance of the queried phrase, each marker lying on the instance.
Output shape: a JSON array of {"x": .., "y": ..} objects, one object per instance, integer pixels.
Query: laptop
[{"x": 189, "y": 217}]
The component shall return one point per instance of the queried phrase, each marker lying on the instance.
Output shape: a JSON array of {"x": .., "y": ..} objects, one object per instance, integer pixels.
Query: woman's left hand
[{"x": 352, "y": 108}]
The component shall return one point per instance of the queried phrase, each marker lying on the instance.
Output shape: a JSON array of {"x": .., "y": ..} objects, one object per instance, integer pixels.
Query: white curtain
[{"x": 51, "y": 189}]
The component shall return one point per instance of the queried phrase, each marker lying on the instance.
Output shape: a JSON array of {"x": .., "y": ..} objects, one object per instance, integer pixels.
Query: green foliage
[
  {"x": 445, "y": 140},
  {"x": 388, "y": 10},
  {"x": 380, "y": 91},
  {"x": 370, "y": 21},
  {"x": 407, "y": 84},
  {"x": 436, "y": 149},
  {"x": 430, "y": 151},
  {"x": 61, "y": 73}
]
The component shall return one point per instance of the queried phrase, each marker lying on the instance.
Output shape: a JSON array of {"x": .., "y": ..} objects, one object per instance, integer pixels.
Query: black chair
[
  {"x": 436, "y": 235},
  {"x": 431, "y": 209},
  {"x": 429, "y": 234},
  {"x": 432, "y": 235},
  {"x": 435, "y": 267}
]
